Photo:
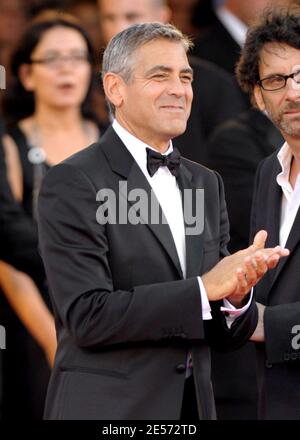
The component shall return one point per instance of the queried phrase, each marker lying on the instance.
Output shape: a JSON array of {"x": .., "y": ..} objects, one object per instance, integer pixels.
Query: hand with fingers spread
[{"x": 235, "y": 275}]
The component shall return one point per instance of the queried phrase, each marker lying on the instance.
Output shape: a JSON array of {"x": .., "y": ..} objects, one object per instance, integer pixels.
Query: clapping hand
[{"x": 235, "y": 275}]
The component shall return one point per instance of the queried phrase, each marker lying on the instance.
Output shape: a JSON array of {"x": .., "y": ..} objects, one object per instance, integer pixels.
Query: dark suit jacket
[
  {"x": 278, "y": 361},
  {"x": 215, "y": 44},
  {"x": 125, "y": 316}
]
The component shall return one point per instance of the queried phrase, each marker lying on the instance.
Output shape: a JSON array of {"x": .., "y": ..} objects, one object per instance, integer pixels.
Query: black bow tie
[{"x": 156, "y": 160}]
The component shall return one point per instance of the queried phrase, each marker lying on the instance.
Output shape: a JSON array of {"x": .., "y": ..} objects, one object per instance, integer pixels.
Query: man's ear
[
  {"x": 112, "y": 84},
  {"x": 26, "y": 77},
  {"x": 259, "y": 97}
]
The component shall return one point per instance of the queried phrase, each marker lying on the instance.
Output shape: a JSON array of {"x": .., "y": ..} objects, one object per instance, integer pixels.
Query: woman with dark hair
[{"x": 48, "y": 119}]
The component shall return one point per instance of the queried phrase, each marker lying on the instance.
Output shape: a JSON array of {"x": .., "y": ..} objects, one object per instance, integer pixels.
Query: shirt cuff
[
  {"x": 204, "y": 301},
  {"x": 231, "y": 312}
]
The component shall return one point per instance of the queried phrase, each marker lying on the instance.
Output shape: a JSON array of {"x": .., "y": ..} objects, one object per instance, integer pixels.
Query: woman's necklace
[{"x": 37, "y": 154}]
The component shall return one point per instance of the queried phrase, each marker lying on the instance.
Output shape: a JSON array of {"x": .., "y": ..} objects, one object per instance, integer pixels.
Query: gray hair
[{"x": 118, "y": 56}]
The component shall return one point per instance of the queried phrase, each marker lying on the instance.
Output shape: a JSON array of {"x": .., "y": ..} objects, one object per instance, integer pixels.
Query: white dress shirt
[
  {"x": 290, "y": 196},
  {"x": 236, "y": 28},
  {"x": 167, "y": 192}
]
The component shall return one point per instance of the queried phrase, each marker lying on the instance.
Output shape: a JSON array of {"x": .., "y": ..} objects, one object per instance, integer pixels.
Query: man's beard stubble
[{"x": 287, "y": 127}]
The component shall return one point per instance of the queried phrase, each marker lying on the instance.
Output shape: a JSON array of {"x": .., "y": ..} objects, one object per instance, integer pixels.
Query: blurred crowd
[{"x": 54, "y": 106}]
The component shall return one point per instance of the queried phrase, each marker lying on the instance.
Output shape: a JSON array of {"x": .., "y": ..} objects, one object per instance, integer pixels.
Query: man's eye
[
  {"x": 275, "y": 80},
  {"x": 159, "y": 76},
  {"x": 187, "y": 78},
  {"x": 50, "y": 60}
]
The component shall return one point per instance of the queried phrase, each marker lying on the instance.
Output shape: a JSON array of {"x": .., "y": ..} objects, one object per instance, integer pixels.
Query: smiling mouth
[{"x": 172, "y": 107}]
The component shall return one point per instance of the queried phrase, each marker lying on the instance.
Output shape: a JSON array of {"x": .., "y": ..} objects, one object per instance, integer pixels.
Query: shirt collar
[
  {"x": 135, "y": 146},
  {"x": 284, "y": 157},
  {"x": 233, "y": 24}
]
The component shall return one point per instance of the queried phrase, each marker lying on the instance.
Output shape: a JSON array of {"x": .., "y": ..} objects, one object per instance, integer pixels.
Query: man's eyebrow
[
  {"x": 188, "y": 70},
  {"x": 163, "y": 68},
  {"x": 271, "y": 75}
]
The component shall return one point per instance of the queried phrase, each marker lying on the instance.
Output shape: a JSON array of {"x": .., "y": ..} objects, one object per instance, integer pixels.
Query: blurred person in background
[
  {"x": 88, "y": 14},
  {"x": 47, "y": 111},
  {"x": 216, "y": 96},
  {"x": 19, "y": 248},
  {"x": 221, "y": 43},
  {"x": 17, "y": 232},
  {"x": 86, "y": 11},
  {"x": 191, "y": 15}
]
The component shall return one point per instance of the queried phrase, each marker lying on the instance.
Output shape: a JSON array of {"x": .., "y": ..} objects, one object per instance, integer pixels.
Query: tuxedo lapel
[
  {"x": 273, "y": 220},
  {"x": 123, "y": 163},
  {"x": 194, "y": 243},
  {"x": 161, "y": 229},
  {"x": 268, "y": 215},
  {"x": 273, "y": 207},
  {"x": 292, "y": 241}
]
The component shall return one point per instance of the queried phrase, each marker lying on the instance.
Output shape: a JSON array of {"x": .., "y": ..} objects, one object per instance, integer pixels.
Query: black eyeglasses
[
  {"x": 277, "y": 82},
  {"x": 56, "y": 61}
]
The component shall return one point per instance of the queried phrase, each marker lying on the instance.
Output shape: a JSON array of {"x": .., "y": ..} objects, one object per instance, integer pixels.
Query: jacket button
[{"x": 180, "y": 368}]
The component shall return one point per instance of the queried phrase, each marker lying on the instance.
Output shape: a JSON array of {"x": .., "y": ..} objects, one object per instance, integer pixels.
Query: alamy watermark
[
  {"x": 137, "y": 206},
  {"x": 296, "y": 339},
  {"x": 2, "y": 338},
  {"x": 2, "y": 77}
]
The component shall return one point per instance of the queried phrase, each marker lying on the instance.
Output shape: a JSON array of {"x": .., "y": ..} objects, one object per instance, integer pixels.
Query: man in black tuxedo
[
  {"x": 124, "y": 252},
  {"x": 217, "y": 97},
  {"x": 270, "y": 70}
]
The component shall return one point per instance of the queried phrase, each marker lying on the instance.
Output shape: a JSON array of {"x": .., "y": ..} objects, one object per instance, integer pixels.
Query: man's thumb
[{"x": 260, "y": 239}]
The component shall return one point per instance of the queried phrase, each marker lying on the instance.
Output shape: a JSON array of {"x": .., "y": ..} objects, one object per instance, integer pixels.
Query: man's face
[
  {"x": 117, "y": 15},
  {"x": 155, "y": 104},
  {"x": 282, "y": 106},
  {"x": 249, "y": 11}
]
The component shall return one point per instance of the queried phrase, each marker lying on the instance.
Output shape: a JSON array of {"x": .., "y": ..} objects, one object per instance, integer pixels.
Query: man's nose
[{"x": 176, "y": 87}]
